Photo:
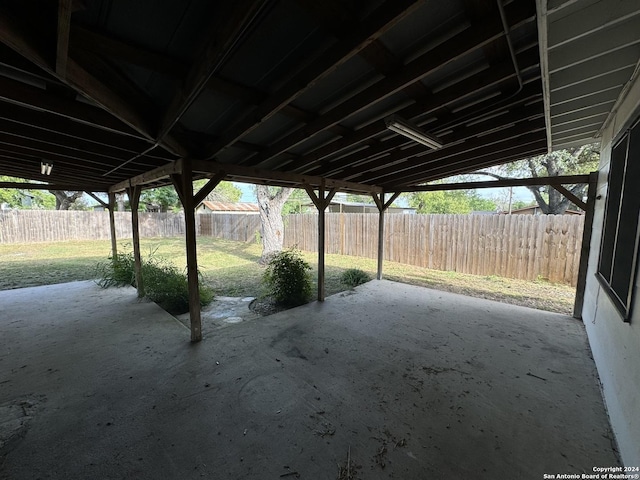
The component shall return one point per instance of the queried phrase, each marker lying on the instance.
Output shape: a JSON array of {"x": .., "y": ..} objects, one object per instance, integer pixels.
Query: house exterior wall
[{"x": 614, "y": 343}]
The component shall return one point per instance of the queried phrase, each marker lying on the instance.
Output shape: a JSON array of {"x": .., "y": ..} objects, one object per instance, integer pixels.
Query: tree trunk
[
  {"x": 120, "y": 201},
  {"x": 64, "y": 199},
  {"x": 270, "y": 204}
]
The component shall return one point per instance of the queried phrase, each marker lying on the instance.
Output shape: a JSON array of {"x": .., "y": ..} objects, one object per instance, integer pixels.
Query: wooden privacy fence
[
  {"x": 516, "y": 246},
  {"x": 24, "y": 226},
  {"x": 243, "y": 228}
]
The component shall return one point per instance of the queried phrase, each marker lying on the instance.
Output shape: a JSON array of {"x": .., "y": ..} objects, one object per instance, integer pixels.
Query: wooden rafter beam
[
  {"x": 515, "y": 149},
  {"x": 15, "y": 35},
  {"x": 509, "y": 182},
  {"x": 252, "y": 174},
  {"x": 208, "y": 187},
  {"x": 325, "y": 154},
  {"x": 80, "y": 147},
  {"x": 361, "y": 34},
  {"x": 39, "y": 99},
  {"x": 110, "y": 47},
  {"x": 173, "y": 168},
  {"x": 61, "y": 152},
  {"x": 225, "y": 34},
  {"x": 439, "y": 57},
  {"x": 396, "y": 164},
  {"x": 54, "y": 186},
  {"x": 361, "y": 158},
  {"x": 72, "y": 130},
  {"x": 571, "y": 196},
  {"x": 97, "y": 199},
  {"x": 62, "y": 46}
]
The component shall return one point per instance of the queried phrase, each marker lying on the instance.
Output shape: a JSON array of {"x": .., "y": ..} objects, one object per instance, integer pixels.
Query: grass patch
[
  {"x": 231, "y": 269},
  {"x": 353, "y": 277}
]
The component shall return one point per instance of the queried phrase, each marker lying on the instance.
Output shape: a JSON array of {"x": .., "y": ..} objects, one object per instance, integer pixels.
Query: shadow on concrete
[{"x": 409, "y": 383}]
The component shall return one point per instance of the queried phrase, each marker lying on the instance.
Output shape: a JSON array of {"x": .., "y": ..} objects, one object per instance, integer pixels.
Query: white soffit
[{"x": 590, "y": 50}]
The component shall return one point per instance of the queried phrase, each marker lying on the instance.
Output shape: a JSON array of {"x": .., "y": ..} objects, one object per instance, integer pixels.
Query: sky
[{"x": 519, "y": 193}]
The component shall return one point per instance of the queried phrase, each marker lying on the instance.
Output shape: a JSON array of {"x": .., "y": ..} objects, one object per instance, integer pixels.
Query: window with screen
[{"x": 619, "y": 247}]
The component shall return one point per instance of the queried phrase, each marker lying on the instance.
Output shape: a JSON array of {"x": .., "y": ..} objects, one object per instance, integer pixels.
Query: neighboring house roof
[
  {"x": 229, "y": 206},
  {"x": 360, "y": 204}
]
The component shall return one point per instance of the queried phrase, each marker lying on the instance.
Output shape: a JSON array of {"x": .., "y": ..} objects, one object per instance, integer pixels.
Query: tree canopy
[
  {"x": 571, "y": 161},
  {"x": 17, "y": 197},
  {"x": 167, "y": 199},
  {"x": 452, "y": 201}
]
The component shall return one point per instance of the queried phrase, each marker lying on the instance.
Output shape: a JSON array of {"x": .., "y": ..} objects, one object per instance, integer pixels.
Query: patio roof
[
  {"x": 293, "y": 92},
  {"x": 106, "y": 91}
]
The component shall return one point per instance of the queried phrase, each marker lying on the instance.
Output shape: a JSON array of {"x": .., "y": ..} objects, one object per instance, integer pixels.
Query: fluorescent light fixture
[
  {"x": 45, "y": 168},
  {"x": 407, "y": 129}
]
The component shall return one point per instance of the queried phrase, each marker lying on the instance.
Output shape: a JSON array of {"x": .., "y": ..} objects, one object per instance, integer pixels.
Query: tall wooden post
[
  {"x": 183, "y": 184},
  {"x": 382, "y": 207},
  {"x": 585, "y": 249},
  {"x": 321, "y": 202},
  {"x": 381, "y": 211},
  {"x": 134, "y": 201},
  {"x": 321, "y": 246},
  {"x": 112, "y": 224}
]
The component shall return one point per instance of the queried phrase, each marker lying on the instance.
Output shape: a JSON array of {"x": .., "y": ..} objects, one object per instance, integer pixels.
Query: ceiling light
[
  {"x": 45, "y": 168},
  {"x": 407, "y": 129}
]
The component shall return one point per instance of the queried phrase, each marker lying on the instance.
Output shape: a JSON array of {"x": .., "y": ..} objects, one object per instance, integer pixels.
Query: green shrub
[
  {"x": 287, "y": 279},
  {"x": 116, "y": 272},
  {"x": 164, "y": 284},
  {"x": 354, "y": 277}
]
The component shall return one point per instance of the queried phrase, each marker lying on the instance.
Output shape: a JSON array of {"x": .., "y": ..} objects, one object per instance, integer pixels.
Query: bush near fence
[{"x": 526, "y": 247}]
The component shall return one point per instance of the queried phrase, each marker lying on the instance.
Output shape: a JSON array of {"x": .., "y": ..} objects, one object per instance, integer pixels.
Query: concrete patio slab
[{"x": 406, "y": 382}]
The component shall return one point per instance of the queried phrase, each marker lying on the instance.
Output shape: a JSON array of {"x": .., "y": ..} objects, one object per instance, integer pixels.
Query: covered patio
[
  {"x": 399, "y": 381},
  {"x": 376, "y": 97}
]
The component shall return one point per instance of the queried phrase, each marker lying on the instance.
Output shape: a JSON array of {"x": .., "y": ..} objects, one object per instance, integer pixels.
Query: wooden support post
[
  {"x": 585, "y": 250},
  {"x": 184, "y": 187},
  {"x": 380, "y": 204},
  {"x": 134, "y": 201},
  {"x": 321, "y": 202},
  {"x": 382, "y": 207},
  {"x": 321, "y": 246},
  {"x": 112, "y": 224}
]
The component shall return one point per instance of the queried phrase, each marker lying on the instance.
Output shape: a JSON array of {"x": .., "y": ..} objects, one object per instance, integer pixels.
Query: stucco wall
[{"x": 615, "y": 344}]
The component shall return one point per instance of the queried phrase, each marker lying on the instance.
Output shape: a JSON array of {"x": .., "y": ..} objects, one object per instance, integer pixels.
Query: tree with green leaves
[
  {"x": 449, "y": 201},
  {"x": 224, "y": 192},
  {"x": 298, "y": 202},
  {"x": 571, "y": 161},
  {"x": 14, "y": 197},
  {"x": 167, "y": 199}
]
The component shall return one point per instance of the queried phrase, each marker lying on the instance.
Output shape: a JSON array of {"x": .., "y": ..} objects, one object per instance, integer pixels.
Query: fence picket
[{"x": 516, "y": 246}]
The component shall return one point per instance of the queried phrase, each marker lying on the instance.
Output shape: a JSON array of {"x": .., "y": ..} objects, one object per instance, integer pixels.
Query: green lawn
[{"x": 231, "y": 268}]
